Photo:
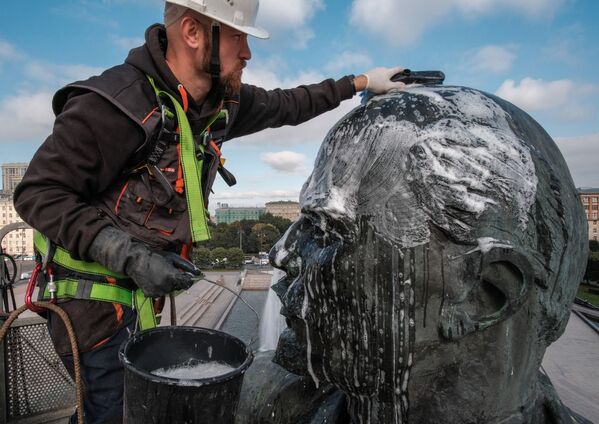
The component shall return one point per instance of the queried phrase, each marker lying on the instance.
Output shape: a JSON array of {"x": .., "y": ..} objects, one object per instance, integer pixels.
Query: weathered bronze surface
[{"x": 439, "y": 249}]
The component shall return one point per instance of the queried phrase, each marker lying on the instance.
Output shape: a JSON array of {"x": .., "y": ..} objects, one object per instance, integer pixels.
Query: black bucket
[{"x": 153, "y": 399}]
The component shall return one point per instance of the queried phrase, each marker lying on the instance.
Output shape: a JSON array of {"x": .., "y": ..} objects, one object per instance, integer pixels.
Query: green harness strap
[
  {"x": 63, "y": 258},
  {"x": 69, "y": 288},
  {"x": 192, "y": 168}
]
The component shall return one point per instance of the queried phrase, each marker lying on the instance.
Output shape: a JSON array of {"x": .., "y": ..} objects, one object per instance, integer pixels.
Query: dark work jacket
[{"x": 76, "y": 183}]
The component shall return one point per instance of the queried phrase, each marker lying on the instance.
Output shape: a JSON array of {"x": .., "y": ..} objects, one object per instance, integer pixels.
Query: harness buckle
[{"x": 52, "y": 288}]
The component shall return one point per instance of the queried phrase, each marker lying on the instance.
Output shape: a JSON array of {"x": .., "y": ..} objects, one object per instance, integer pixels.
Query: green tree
[
  {"x": 249, "y": 242},
  {"x": 266, "y": 236},
  {"x": 592, "y": 271},
  {"x": 221, "y": 236},
  {"x": 281, "y": 223},
  {"x": 235, "y": 257},
  {"x": 219, "y": 256},
  {"x": 594, "y": 245},
  {"x": 202, "y": 257}
]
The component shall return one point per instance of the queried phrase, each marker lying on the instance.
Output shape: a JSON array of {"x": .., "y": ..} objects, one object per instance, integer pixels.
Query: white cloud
[
  {"x": 289, "y": 17},
  {"x": 399, "y": 22},
  {"x": 535, "y": 9},
  {"x": 491, "y": 58},
  {"x": 261, "y": 74},
  {"x": 402, "y": 22},
  {"x": 581, "y": 155},
  {"x": 537, "y": 95},
  {"x": 303, "y": 36},
  {"x": 127, "y": 43},
  {"x": 287, "y": 14},
  {"x": 349, "y": 61},
  {"x": 26, "y": 116},
  {"x": 313, "y": 131},
  {"x": 286, "y": 162},
  {"x": 58, "y": 75},
  {"x": 8, "y": 51}
]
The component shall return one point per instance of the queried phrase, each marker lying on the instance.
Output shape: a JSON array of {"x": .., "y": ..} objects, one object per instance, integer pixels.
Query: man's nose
[
  {"x": 279, "y": 255},
  {"x": 245, "y": 53}
]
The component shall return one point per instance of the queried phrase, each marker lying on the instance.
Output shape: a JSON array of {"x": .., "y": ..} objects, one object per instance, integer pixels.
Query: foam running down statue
[{"x": 439, "y": 249}]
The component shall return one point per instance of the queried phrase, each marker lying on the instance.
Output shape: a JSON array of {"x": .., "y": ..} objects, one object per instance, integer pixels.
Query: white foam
[
  {"x": 308, "y": 341},
  {"x": 193, "y": 370},
  {"x": 468, "y": 157},
  {"x": 485, "y": 244}
]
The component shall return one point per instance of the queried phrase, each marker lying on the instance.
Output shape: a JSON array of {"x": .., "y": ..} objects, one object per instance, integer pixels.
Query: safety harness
[
  {"x": 107, "y": 290},
  {"x": 105, "y": 285}
]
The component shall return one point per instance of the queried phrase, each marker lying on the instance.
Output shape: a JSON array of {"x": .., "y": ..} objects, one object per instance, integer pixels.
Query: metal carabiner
[
  {"x": 30, "y": 289},
  {"x": 155, "y": 172}
]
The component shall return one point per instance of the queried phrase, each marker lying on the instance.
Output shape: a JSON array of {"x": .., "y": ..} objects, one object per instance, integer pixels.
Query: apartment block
[
  {"x": 227, "y": 215},
  {"x": 19, "y": 242},
  {"x": 590, "y": 201},
  {"x": 284, "y": 209},
  {"x": 12, "y": 174}
]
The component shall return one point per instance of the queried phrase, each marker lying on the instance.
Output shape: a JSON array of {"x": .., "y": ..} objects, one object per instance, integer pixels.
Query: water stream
[{"x": 273, "y": 323}]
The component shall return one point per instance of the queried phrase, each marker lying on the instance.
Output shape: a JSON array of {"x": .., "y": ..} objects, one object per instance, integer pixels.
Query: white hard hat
[{"x": 238, "y": 14}]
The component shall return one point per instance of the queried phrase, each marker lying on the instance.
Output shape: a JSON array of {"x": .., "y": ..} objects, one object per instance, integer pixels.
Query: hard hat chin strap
[{"x": 215, "y": 59}]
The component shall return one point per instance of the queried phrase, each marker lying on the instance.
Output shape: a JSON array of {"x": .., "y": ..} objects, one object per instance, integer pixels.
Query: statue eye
[
  {"x": 318, "y": 229},
  {"x": 418, "y": 152}
]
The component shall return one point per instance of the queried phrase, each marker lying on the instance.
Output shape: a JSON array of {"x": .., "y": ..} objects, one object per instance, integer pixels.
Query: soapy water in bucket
[{"x": 194, "y": 370}]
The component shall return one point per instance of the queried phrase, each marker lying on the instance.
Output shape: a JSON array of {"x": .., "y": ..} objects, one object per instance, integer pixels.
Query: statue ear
[{"x": 505, "y": 279}]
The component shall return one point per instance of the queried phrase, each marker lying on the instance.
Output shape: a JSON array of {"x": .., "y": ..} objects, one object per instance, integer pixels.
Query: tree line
[
  {"x": 592, "y": 271},
  {"x": 230, "y": 243}
]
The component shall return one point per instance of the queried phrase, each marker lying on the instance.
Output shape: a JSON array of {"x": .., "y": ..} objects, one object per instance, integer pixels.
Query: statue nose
[{"x": 284, "y": 250}]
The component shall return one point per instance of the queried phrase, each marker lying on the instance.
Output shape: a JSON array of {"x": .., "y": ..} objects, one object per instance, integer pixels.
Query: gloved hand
[
  {"x": 379, "y": 80},
  {"x": 155, "y": 273}
]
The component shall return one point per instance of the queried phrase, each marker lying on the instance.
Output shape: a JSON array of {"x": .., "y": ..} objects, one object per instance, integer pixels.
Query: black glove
[{"x": 155, "y": 273}]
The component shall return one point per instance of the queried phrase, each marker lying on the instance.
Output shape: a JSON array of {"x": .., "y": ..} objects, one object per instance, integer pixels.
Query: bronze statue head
[{"x": 439, "y": 249}]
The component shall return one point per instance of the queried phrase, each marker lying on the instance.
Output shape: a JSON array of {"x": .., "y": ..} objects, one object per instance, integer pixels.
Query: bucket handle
[{"x": 253, "y": 339}]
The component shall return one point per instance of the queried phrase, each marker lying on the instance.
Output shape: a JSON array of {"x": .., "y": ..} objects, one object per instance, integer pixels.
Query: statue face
[{"x": 360, "y": 308}]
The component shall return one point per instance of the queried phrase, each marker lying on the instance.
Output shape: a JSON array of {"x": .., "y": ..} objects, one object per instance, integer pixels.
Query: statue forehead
[{"x": 407, "y": 158}]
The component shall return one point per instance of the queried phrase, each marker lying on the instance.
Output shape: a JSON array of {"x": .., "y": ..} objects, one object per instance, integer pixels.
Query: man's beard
[{"x": 231, "y": 83}]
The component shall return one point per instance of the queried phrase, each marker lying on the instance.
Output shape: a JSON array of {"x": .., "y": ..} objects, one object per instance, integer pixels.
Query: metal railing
[{"x": 33, "y": 380}]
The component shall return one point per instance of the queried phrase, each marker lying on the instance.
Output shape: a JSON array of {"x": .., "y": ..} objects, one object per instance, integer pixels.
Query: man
[
  {"x": 120, "y": 188},
  {"x": 440, "y": 247}
]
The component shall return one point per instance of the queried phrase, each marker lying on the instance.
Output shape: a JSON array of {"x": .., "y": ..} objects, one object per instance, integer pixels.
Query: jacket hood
[{"x": 150, "y": 59}]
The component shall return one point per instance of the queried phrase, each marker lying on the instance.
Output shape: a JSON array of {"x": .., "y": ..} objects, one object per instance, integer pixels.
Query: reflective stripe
[
  {"x": 192, "y": 169},
  {"x": 64, "y": 259},
  {"x": 145, "y": 311},
  {"x": 91, "y": 290}
]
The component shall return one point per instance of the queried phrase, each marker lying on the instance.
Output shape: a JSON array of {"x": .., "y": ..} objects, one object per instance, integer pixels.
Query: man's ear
[
  {"x": 192, "y": 32},
  {"x": 506, "y": 276}
]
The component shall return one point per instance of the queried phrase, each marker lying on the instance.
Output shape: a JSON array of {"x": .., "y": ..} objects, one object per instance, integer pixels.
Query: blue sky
[{"x": 543, "y": 55}]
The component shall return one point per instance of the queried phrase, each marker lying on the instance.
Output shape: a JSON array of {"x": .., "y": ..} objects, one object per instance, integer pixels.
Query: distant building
[
  {"x": 19, "y": 242},
  {"x": 12, "y": 174},
  {"x": 227, "y": 215},
  {"x": 590, "y": 201},
  {"x": 284, "y": 209}
]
